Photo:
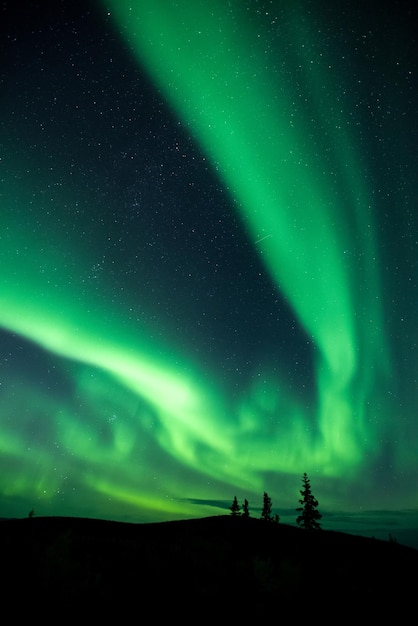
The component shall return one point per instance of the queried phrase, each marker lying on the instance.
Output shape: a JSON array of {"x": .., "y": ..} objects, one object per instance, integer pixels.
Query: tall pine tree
[
  {"x": 266, "y": 512},
  {"x": 309, "y": 515},
  {"x": 245, "y": 509},
  {"x": 235, "y": 507}
]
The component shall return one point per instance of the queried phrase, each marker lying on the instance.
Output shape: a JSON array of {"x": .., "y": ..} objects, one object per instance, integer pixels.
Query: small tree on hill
[
  {"x": 309, "y": 515},
  {"x": 245, "y": 509},
  {"x": 266, "y": 512},
  {"x": 235, "y": 507}
]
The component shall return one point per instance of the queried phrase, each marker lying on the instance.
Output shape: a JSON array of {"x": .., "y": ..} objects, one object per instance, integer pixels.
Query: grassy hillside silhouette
[{"x": 213, "y": 565}]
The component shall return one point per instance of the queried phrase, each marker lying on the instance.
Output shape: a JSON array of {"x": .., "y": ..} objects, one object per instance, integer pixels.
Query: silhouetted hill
[{"x": 217, "y": 566}]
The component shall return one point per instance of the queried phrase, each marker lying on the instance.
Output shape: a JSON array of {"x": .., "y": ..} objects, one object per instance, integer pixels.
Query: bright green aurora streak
[
  {"x": 280, "y": 145},
  {"x": 274, "y": 128}
]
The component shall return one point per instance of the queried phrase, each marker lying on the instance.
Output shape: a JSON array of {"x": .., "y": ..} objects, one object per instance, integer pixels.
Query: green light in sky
[
  {"x": 268, "y": 115},
  {"x": 270, "y": 121}
]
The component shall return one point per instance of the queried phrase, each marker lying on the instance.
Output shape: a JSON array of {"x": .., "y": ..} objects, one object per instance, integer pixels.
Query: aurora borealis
[{"x": 209, "y": 258}]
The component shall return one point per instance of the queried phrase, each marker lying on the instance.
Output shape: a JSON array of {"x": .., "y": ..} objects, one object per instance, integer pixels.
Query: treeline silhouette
[
  {"x": 308, "y": 517},
  {"x": 225, "y": 567}
]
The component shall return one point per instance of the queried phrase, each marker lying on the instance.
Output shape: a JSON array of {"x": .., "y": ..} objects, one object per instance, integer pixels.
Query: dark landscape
[
  {"x": 217, "y": 566},
  {"x": 208, "y": 287}
]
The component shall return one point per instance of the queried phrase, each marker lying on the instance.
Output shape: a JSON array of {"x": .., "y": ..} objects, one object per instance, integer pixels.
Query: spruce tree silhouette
[
  {"x": 245, "y": 509},
  {"x": 266, "y": 512},
  {"x": 309, "y": 515},
  {"x": 235, "y": 507}
]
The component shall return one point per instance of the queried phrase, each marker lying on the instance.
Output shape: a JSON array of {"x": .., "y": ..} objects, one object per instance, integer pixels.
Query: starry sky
[{"x": 208, "y": 259}]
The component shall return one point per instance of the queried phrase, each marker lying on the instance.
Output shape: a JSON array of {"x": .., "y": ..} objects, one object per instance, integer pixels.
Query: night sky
[{"x": 208, "y": 259}]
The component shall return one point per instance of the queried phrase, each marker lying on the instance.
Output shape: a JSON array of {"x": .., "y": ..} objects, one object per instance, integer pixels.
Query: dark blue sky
[{"x": 160, "y": 343}]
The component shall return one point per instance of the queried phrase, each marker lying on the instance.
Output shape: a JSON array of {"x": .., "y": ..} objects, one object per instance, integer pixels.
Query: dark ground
[{"x": 200, "y": 570}]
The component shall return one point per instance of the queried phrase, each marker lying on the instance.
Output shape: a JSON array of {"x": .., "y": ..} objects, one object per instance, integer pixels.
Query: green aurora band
[
  {"x": 301, "y": 192},
  {"x": 299, "y": 186}
]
